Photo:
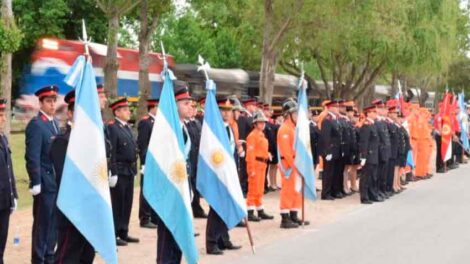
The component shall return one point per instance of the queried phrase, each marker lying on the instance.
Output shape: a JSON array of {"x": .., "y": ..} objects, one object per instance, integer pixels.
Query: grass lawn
[{"x": 17, "y": 145}]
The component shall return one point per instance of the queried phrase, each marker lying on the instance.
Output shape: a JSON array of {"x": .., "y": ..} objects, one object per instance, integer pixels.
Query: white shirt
[
  {"x": 124, "y": 123},
  {"x": 332, "y": 115}
]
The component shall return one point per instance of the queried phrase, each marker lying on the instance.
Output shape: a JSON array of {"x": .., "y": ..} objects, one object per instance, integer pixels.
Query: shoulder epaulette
[
  {"x": 44, "y": 118},
  {"x": 145, "y": 117},
  {"x": 110, "y": 122}
]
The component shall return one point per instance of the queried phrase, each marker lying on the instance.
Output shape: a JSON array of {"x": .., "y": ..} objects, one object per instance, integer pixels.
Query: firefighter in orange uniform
[
  {"x": 257, "y": 157},
  {"x": 291, "y": 197},
  {"x": 423, "y": 150}
]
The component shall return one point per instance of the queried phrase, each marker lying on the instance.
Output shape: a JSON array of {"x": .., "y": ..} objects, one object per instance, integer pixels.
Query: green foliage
[
  {"x": 220, "y": 31},
  {"x": 187, "y": 37},
  {"x": 40, "y": 18},
  {"x": 459, "y": 77},
  {"x": 10, "y": 38},
  {"x": 96, "y": 22},
  {"x": 415, "y": 38}
]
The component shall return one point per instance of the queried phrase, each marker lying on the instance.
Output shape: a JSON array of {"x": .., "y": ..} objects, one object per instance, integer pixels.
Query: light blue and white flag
[
  {"x": 166, "y": 185},
  {"x": 84, "y": 196},
  {"x": 463, "y": 120},
  {"x": 409, "y": 159},
  {"x": 217, "y": 176},
  {"x": 303, "y": 151}
]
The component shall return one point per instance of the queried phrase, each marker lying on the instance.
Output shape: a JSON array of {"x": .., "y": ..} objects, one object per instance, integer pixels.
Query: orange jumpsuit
[
  {"x": 423, "y": 153},
  {"x": 257, "y": 156},
  {"x": 291, "y": 197}
]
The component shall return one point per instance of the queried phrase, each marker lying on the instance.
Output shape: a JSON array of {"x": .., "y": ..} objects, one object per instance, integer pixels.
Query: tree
[
  {"x": 149, "y": 16},
  {"x": 10, "y": 38},
  {"x": 279, "y": 16},
  {"x": 458, "y": 77},
  {"x": 113, "y": 10},
  {"x": 350, "y": 45},
  {"x": 214, "y": 29},
  {"x": 93, "y": 16}
]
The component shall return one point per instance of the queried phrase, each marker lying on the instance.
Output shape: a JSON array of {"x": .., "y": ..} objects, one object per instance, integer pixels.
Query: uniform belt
[{"x": 261, "y": 159}]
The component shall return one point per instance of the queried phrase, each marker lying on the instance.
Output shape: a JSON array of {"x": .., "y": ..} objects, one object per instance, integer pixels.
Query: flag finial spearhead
[
  {"x": 204, "y": 66},
  {"x": 165, "y": 62},
  {"x": 302, "y": 82},
  {"x": 86, "y": 41}
]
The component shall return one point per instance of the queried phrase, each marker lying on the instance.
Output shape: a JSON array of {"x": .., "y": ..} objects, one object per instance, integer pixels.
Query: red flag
[{"x": 446, "y": 131}]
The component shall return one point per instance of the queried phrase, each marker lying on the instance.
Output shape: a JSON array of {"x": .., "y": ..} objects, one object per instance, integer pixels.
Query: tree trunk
[
  {"x": 394, "y": 85},
  {"x": 144, "y": 62},
  {"x": 265, "y": 59},
  {"x": 112, "y": 65},
  {"x": 5, "y": 72},
  {"x": 269, "y": 81}
]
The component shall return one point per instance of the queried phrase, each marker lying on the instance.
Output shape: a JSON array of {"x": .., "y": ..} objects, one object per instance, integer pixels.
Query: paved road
[{"x": 428, "y": 223}]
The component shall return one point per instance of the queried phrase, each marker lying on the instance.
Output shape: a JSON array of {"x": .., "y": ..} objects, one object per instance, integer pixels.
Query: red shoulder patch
[
  {"x": 43, "y": 118},
  {"x": 145, "y": 117},
  {"x": 110, "y": 122}
]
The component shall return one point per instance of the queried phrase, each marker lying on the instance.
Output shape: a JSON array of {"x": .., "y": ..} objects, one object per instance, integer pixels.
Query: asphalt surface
[{"x": 428, "y": 223}]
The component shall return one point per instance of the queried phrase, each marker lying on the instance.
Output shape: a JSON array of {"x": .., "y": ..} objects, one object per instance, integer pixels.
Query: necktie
[
  {"x": 185, "y": 136},
  {"x": 54, "y": 126},
  {"x": 129, "y": 131},
  {"x": 228, "y": 132}
]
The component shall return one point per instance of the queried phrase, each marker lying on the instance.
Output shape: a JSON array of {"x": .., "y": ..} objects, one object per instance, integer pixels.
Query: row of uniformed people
[
  {"x": 46, "y": 149},
  {"x": 344, "y": 150},
  {"x": 337, "y": 132}
]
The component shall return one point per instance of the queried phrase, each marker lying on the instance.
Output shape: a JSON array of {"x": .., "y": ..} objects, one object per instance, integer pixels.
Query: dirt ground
[{"x": 319, "y": 213}]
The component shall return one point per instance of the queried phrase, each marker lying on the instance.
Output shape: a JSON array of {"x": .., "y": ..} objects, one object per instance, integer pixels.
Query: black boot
[
  {"x": 295, "y": 218},
  {"x": 252, "y": 217},
  {"x": 287, "y": 222},
  {"x": 264, "y": 216}
]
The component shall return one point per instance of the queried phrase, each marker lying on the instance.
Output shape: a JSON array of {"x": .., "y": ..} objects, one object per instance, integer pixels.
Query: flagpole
[
  {"x": 204, "y": 67},
  {"x": 303, "y": 202},
  {"x": 250, "y": 237},
  {"x": 301, "y": 86}
]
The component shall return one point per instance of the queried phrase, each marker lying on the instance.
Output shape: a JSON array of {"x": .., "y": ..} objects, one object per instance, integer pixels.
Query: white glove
[
  {"x": 142, "y": 169},
  {"x": 113, "y": 181},
  {"x": 270, "y": 157},
  {"x": 15, "y": 205},
  {"x": 363, "y": 162},
  {"x": 35, "y": 190},
  {"x": 328, "y": 157},
  {"x": 242, "y": 154}
]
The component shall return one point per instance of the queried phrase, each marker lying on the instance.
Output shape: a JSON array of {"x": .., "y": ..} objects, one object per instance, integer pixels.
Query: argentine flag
[
  {"x": 166, "y": 185},
  {"x": 217, "y": 176},
  {"x": 84, "y": 191},
  {"x": 303, "y": 151}
]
